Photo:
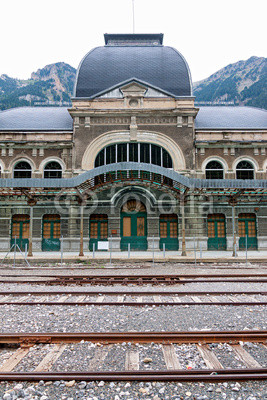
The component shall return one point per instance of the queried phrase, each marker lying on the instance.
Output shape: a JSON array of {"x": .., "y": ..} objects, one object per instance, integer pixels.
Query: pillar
[
  {"x": 30, "y": 232},
  {"x": 184, "y": 254},
  {"x": 234, "y": 229},
  {"x": 81, "y": 254}
]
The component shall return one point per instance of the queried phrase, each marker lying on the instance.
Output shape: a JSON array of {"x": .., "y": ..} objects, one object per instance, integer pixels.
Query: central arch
[
  {"x": 133, "y": 225},
  {"x": 114, "y": 137}
]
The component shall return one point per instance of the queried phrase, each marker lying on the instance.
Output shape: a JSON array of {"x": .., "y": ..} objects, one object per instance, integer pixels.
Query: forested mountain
[
  {"x": 51, "y": 85},
  {"x": 241, "y": 83}
]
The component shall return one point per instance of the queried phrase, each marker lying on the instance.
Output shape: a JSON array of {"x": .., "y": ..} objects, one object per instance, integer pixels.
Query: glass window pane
[
  {"x": 133, "y": 152},
  {"x": 144, "y": 153},
  {"x": 156, "y": 155},
  {"x": 127, "y": 226},
  {"x": 111, "y": 154},
  {"x": 140, "y": 226},
  {"x": 122, "y": 152},
  {"x": 167, "y": 161}
]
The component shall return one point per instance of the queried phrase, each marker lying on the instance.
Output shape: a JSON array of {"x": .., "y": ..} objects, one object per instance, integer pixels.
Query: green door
[
  {"x": 247, "y": 227},
  {"x": 51, "y": 232},
  {"x": 216, "y": 232},
  {"x": 133, "y": 226},
  {"x": 168, "y": 228},
  {"x": 98, "y": 230},
  {"x": 20, "y": 230}
]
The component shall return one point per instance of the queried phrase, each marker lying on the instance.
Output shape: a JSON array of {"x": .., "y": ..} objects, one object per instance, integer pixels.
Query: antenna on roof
[{"x": 133, "y": 15}]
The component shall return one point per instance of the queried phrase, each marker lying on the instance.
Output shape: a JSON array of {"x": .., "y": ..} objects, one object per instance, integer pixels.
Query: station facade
[{"x": 133, "y": 163}]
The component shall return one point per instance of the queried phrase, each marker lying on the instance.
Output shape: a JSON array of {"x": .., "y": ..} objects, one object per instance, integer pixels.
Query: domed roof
[{"x": 133, "y": 56}]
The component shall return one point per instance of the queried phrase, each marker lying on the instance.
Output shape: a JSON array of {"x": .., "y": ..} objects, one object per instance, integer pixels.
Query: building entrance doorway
[
  {"x": 51, "y": 232},
  {"x": 133, "y": 226},
  {"x": 98, "y": 230},
  {"x": 20, "y": 230},
  {"x": 247, "y": 227},
  {"x": 168, "y": 229},
  {"x": 216, "y": 232}
]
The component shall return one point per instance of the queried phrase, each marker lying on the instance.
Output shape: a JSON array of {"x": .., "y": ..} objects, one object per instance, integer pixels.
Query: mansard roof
[
  {"x": 36, "y": 119},
  {"x": 59, "y": 119},
  {"x": 132, "y": 56},
  {"x": 222, "y": 117}
]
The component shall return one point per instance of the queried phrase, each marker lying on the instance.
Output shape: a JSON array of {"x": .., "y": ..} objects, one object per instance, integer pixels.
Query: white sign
[{"x": 102, "y": 246}]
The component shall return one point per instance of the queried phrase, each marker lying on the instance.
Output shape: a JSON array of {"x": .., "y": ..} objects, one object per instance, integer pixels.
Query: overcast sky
[{"x": 209, "y": 33}]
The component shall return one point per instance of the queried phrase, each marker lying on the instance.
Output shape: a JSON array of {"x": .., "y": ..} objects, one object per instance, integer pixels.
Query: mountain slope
[
  {"x": 52, "y": 84},
  {"x": 241, "y": 83}
]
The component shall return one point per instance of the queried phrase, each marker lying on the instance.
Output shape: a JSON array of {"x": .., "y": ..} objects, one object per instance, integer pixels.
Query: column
[
  {"x": 234, "y": 228},
  {"x": 184, "y": 254},
  {"x": 81, "y": 254},
  {"x": 30, "y": 232}
]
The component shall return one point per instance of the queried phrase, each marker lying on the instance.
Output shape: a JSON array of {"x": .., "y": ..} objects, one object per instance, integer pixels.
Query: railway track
[
  {"x": 133, "y": 298},
  {"x": 109, "y": 280},
  {"x": 221, "y": 356}
]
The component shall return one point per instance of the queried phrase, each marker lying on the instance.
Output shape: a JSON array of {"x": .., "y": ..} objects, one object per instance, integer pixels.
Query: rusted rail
[
  {"x": 156, "y": 299},
  {"x": 137, "y": 337},
  {"x": 128, "y": 293},
  {"x": 132, "y": 279},
  {"x": 179, "y": 375},
  {"x": 26, "y": 340}
]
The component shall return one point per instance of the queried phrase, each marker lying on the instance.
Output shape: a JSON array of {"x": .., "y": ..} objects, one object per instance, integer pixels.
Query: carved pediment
[{"x": 133, "y": 89}]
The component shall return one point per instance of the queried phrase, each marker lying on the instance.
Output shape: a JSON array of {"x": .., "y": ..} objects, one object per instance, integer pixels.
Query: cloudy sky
[{"x": 209, "y": 33}]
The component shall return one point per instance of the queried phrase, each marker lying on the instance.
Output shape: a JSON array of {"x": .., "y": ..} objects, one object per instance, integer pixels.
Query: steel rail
[
  {"x": 138, "y": 281},
  {"x": 149, "y": 276},
  {"x": 132, "y": 303},
  {"x": 129, "y": 293},
  {"x": 175, "y": 375},
  {"x": 136, "y": 337}
]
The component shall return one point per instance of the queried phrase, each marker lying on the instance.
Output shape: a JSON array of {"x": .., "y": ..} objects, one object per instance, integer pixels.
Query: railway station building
[{"x": 133, "y": 163}]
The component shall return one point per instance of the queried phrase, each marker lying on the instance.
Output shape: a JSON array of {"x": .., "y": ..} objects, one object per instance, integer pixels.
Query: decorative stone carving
[
  {"x": 179, "y": 121},
  {"x": 133, "y": 129},
  {"x": 76, "y": 122},
  {"x": 87, "y": 122},
  {"x": 190, "y": 121}
]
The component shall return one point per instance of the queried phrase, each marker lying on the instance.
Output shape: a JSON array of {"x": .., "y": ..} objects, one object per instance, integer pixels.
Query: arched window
[
  {"x": 244, "y": 170},
  {"x": 53, "y": 170},
  {"x": 134, "y": 152},
  {"x": 214, "y": 170},
  {"x": 22, "y": 170}
]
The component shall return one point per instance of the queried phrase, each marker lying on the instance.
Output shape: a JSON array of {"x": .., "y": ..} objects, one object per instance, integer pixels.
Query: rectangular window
[
  {"x": 110, "y": 154},
  {"x": 156, "y": 155},
  {"x": 122, "y": 152},
  {"x": 127, "y": 226},
  {"x": 173, "y": 229},
  {"x": 133, "y": 152},
  {"x": 93, "y": 230},
  {"x": 144, "y": 153},
  {"x": 163, "y": 229},
  {"x": 140, "y": 226}
]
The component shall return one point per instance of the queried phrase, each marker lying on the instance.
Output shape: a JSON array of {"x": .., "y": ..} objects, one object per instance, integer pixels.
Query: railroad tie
[
  {"x": 170, "y": 357},
  {"x": 132, "y": 361},
  {"x": 177, "y": 299},
  {"x": 245, "y": 357},
  {"x": 50, "y": 358},
  {"x": 15, "y": 358},
  {"x": 99, "y": 357},
  {"x": 209, "y": 357},
  {"x": 81, "y": 299},
  {"x": 100, "y": 299},
  {"x": 196, "y": 299}
]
